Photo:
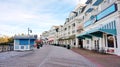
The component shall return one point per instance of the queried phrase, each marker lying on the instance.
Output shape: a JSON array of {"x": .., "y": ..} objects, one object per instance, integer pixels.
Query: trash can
[
  {"x": 41, "y": 45},
  {"x": 38, "y": 46},
  {"x": 68, "y": 46}
]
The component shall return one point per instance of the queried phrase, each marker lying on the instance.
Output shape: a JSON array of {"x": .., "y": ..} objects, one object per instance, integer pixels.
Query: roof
[{"x": 25, "y": 37}]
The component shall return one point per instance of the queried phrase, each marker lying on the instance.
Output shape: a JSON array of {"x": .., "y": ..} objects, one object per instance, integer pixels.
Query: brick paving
[{"x": 101, "y": 60}]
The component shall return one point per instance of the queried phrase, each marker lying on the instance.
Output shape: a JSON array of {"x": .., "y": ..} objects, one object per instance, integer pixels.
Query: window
[
  {"x": 65, "y": 29},
  {"x": 73, "y": 24},
  {"x": 89, "y": 22},
  {"x": 23, "y": 42},
  {"x": 106, "y": 12},
  {"x": 83, "y": 17},
  {"x": 110, "y": 41}
]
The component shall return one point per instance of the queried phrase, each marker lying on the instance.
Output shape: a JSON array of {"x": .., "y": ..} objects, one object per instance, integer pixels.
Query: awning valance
[{"x": 84, "y": 35}]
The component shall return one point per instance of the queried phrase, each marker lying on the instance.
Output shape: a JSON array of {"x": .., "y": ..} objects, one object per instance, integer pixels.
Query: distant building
[
  {"x": 24, "y": 42},
  {"x": 94, "y": 26}
]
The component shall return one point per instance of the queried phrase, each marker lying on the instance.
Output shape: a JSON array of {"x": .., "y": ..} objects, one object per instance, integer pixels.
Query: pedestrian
[{"x": 38, "y": 46}]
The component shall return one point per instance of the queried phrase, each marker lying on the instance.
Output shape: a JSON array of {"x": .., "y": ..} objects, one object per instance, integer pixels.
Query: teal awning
[
  {"x": 97, "y": 2},
  {"x": 87, "y": 36},
  {"x": 97, "y": 34},
  {"x": 84, "y": 35},
  {"x": 81, "y": 37},
  {"x": 109, "y": 28}
]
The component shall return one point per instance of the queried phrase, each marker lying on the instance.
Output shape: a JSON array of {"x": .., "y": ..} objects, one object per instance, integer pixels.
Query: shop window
[{"x": 110, "y": 41}]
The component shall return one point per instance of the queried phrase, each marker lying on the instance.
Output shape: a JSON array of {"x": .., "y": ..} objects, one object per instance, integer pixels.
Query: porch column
[
  {"x": 77, "y": 42},
  {"x": 118, "y": 35}
]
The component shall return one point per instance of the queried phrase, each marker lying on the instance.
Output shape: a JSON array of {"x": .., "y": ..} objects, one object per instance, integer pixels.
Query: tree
[{"x": 10, "y": 40}]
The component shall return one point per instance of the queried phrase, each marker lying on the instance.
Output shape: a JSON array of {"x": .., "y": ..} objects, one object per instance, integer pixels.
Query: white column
[
  {"x": 118, "y": 35},
  {"x": 71, "y": 42},
  {"x": 77, "y": 42}
]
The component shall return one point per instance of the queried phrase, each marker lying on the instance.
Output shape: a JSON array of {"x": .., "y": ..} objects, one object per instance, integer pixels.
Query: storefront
[{"x": 24, "y": 42}]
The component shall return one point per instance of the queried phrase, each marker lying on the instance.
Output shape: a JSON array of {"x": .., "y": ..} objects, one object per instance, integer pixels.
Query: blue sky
[{"x": 39, "y": 15}]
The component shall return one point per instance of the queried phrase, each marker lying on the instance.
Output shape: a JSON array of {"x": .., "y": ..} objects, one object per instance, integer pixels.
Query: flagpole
[
  {"x": 29, "y": 37},
  {"x": 28, "y": 30}
]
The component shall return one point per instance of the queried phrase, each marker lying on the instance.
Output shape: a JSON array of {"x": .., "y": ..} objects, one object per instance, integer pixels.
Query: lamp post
[{"x": 29, "y": 31}]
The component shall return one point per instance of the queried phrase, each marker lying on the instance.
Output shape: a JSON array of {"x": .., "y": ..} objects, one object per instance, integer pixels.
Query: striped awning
[{"x": 109, "y": 28}]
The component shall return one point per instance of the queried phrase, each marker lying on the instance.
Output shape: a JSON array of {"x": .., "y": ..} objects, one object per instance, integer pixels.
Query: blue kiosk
[{"x": 24, "y": 42}]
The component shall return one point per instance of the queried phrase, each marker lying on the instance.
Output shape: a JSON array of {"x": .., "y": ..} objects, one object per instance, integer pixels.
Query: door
[{"x": 80, "y": 43}]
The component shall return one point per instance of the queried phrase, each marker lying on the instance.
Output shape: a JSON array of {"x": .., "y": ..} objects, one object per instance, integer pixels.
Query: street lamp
[{"x": 29, "y": 31}]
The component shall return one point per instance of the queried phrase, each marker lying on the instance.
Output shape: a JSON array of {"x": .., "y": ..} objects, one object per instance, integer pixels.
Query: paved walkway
[
  {"x": 47, "y": 56},
  {"x": 102, "y": 60},
  {"x": 9, "y": 54}
]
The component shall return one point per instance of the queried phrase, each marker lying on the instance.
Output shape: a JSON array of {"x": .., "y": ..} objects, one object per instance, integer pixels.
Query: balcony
[
  {"x": 89, "y": 10},
  {"x": 91, "y": 20},
  {"x": 88, "y": 1},
  {"x": 111, "y": 9},
  {"x": 97, "y": 2}
]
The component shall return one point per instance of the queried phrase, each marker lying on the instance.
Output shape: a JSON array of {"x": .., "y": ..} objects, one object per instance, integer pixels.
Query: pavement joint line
[{"x": 46, "y": 58}]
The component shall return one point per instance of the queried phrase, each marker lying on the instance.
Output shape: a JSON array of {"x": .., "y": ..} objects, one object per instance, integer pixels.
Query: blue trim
[
  {"x": 97, "y": 2},
  {"x": 111, "y": 9},
  {"x": 23, "y": 41},
  {"x": 89, "y": 22},
  {"x": 89, "y": 10},
  {"x": 92, "y": 17},
  {"x": 32, "y": 42},
  {"x": 88, "y": 1}
]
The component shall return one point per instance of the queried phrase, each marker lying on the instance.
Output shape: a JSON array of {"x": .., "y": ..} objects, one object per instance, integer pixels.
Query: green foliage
[{"x": 6, "y": 40}]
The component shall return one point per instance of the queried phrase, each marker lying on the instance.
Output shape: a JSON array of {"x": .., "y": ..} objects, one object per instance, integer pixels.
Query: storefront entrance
[
  {"x": 96, "y": 44},
  {"x": 80, "y": 43},
  {"x": 110, "y": 41}
]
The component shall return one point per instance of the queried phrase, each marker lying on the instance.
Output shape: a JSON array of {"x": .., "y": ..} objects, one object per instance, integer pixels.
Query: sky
[{"x": 16, "y": 16}]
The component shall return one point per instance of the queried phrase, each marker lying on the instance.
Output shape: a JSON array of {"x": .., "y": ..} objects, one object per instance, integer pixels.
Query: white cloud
[{"x": 17, "y": 15}]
